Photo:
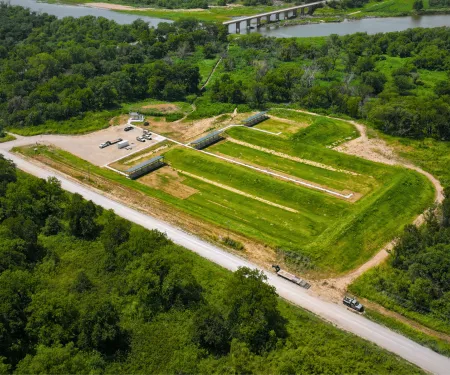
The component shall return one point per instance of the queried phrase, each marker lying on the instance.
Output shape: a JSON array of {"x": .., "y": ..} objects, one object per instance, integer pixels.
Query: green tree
[
  {"x": 446, "y": 208},
  {"x": 61, "y": 360},
  {"x": 210, "y": 330},
  {"x": 52, "y": 226},
  {"x": 116, "y": 231},
  {"x": 82, "y": 283},
  {"x": 81, "y": 216},
  {"x": 7, "y": 173},
  {"x": 16, "y": 288},
  {"x": 100, "y": 330},
  {"x": 418, "y": 5},
  {"x": 252, "y": 310}
]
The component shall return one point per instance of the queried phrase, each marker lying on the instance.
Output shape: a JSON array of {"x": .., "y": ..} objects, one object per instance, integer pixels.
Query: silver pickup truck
[{"x": 353, "y": 304}]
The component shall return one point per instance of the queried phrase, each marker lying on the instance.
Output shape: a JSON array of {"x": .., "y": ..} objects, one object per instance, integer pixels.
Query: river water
[
  {"x": 63, "y": 10},
  {"x": 369, "y": 25}
]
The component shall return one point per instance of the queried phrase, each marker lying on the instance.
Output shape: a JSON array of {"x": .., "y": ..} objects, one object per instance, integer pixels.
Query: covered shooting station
[
  {"x": 255, "y": 119},
  {"x": 145, "y": 167},
  {"x": 207, "y": 140}
]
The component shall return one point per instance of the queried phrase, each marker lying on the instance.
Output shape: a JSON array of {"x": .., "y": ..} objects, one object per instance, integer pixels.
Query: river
[
  {"x": 369, "y": 25},
  {"x": 64, "y": 10}
]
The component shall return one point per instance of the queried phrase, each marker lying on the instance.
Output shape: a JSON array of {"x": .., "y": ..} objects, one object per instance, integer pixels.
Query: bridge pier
[{"x": 293, "y": 11}]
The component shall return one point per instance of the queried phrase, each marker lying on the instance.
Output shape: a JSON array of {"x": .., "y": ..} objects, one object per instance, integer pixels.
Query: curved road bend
[{"x": 336, "y": 314}]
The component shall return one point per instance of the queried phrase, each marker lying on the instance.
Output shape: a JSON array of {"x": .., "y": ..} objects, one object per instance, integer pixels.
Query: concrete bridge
[{"x": 286, "y": 13}]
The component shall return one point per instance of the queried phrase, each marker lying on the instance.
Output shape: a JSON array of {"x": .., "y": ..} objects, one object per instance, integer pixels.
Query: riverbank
[{"x": 373, "y": 9}]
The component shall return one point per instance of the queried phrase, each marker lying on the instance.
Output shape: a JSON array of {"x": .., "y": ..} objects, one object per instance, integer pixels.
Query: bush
[{"x": 233, "y": 243}]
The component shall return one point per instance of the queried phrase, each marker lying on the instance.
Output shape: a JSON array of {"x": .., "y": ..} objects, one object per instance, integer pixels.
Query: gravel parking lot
[{"x": 87, "y": 146}]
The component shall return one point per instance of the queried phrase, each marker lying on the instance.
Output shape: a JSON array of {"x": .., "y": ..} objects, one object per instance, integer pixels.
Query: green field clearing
[
  {"x": 335, "y": 235},
  {"x": 277, "y": 126}
]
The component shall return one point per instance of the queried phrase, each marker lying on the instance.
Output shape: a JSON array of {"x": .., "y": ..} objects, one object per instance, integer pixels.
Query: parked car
[
  {"x": 128, "y": 128},
  {"x": 140, "y": 139},
  {"x": 105, "y": 144},
  {"x": 148, "y": 136}
]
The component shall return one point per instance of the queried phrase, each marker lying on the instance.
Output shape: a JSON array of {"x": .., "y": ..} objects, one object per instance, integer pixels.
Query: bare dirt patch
[
  {"x": 169, "y": 181},
  {"x": 185, "y": 131},
  {"x": 165, "y": 108}
]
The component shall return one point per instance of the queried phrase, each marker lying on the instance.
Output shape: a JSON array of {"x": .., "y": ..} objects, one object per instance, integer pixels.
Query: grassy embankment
[
  {"x": 7, "y": 138},
  {"x": 334, "y": 235},
  {"x": 438, "y": 345}
]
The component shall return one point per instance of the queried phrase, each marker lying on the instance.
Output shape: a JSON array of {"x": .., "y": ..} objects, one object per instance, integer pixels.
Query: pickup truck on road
[{"x": 353, "y": 304}]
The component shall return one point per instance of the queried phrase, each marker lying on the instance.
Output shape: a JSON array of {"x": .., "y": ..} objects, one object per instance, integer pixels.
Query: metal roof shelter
[
  {"x": 145, "y": 167},
  {"x": 255, "y": 119},
  {"x": 207, "y": 139}
]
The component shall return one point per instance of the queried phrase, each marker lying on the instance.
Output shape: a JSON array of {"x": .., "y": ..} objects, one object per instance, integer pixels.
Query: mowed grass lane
[
  {"x": 310, "y": 143},
  {"x": 308, "y": 202},
  {"x": 327, "y": 178}
]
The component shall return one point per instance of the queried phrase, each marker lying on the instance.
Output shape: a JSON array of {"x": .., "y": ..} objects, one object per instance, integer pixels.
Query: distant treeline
[
  {"x": 346, "y": 75},
  {"x": 53, "y": 69}
]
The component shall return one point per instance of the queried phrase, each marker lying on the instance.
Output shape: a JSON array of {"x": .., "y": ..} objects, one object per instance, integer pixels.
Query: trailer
[
  {"x": 290, "y": 277},
  {"x": 123, "y": 144},
  {"x": 115, "y": 141}
]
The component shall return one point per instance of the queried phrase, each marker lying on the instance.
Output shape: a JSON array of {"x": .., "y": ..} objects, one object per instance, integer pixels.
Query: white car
[{"x": 104, "y": 144}]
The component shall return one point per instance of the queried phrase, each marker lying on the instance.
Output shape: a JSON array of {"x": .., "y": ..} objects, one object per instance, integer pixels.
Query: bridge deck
[{"x": 273, "y": 12}]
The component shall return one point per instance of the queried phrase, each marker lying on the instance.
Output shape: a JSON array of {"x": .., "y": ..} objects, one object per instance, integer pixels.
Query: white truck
[{"x": 123, "y": 144}]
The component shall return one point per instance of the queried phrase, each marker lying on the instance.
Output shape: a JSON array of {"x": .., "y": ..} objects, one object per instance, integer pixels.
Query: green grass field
[{"x": 334, "y": 235}]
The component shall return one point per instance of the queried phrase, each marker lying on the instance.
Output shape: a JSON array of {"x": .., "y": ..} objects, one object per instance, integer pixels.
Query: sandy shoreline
[{"x": 127, "y": 7}]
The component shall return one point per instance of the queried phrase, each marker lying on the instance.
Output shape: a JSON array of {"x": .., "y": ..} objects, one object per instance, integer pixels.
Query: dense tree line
[
  {"x": 343, "y": 76},
  {"x": 54, "y": 69}
]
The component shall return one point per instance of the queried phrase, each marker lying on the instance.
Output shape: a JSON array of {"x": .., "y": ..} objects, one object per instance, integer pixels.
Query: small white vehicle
[
  {"x": 104, "y": 144},
  {"x": 140, "y": 139}
]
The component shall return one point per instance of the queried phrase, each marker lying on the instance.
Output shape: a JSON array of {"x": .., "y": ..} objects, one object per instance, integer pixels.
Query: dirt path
[{"x": 211, "y": 74}]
